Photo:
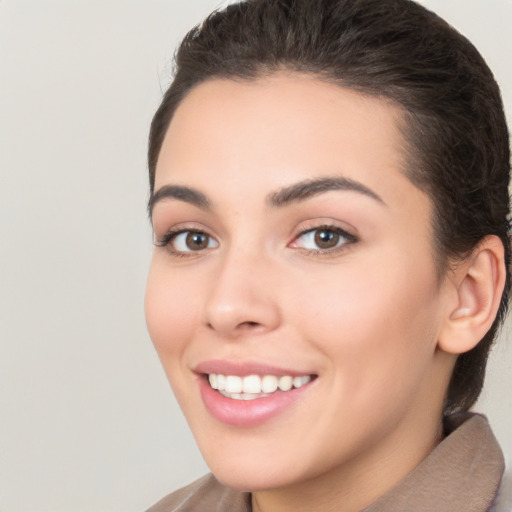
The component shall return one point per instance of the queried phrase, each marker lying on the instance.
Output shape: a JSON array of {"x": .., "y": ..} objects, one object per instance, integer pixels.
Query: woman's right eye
[{"x": 188, "y": 241}]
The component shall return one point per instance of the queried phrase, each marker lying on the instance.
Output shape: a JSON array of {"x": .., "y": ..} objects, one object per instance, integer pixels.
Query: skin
[{"x": 365, "y": 317}]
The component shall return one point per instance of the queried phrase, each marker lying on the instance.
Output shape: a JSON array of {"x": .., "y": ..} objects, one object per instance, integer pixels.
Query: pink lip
[
  {"x": 247, "y": 413},
  {"x": 243, "y": 368}
]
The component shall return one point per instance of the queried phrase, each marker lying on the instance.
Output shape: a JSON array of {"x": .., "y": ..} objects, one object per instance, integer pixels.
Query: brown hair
[{"x": 457, "y": 143}]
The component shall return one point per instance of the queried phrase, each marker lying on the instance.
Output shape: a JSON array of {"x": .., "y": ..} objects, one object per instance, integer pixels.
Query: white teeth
[
  {"x": 269, "y": 384},
  {"x": 300, "y": 381},
  {"x": 252, "y": 396},
  {"x": 221, "y": 382},
  {"x": 242, "y": 396},
  {"x": 233, "y": 384},
  {"x": 254, "y": 386},
  {"x": 285, "y": 383},
  {"x": 251, "y": 384},
  {"x": 213, "y": 380}
]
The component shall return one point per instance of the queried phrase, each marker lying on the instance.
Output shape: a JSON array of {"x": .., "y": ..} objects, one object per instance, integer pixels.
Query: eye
[
  {"x": 188, "y": 241},
  {"x": 323, "y": 238}
]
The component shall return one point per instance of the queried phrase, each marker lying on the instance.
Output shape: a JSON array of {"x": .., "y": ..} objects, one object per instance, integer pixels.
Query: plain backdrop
[{"x": 87, "y": 420}]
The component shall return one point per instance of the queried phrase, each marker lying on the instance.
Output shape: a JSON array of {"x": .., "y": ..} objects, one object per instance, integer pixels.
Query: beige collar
[{"x": 463, "y": 473}]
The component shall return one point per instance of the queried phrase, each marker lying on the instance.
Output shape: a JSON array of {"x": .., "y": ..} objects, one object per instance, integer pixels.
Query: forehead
[{"x": 281, "y": 129}]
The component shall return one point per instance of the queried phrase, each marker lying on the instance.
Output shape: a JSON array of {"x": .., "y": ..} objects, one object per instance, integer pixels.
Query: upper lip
[{"x": 243, "y": 368}]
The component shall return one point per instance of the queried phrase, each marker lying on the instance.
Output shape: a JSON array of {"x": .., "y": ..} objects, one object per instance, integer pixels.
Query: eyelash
[
  {"x": 349, "y": 240},
  {"x": 171, "y": 235}
]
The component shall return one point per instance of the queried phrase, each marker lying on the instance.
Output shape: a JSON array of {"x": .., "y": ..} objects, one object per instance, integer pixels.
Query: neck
[{"x": 357, "y": 483}]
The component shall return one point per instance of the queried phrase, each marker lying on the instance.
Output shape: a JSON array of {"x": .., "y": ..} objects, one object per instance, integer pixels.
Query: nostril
[
  {"x": 241, "y": 325},
  {"x": 251, "y": 324},
  {"x": 248, "y": 326}
]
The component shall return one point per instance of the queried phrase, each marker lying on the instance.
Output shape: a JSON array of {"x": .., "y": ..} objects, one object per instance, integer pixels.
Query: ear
[{"x": 478, "y": 284}]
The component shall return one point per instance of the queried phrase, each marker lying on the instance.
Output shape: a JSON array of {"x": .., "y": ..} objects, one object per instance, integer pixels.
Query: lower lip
[{"x": 247, "y": 413}]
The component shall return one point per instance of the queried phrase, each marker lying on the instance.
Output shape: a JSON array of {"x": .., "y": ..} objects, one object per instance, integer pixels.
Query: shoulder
[{"x": 207, "y": 493}]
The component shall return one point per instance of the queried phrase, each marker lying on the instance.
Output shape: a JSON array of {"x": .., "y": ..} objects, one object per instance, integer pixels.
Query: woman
[{"x": 329, "y": 201}]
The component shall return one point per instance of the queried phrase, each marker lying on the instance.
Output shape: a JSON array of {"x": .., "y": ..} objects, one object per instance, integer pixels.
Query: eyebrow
[
  {"x": 313, "y": 187},
  {"x": 283, "y": 197},
  {"x": 181, "y": 193}
]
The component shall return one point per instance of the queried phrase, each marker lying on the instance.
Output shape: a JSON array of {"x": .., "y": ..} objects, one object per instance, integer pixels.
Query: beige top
[{"x": 462, "y": 473}]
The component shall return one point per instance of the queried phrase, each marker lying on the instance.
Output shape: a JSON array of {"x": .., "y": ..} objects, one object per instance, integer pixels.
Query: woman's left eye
[{"x": 323, "y": 239}]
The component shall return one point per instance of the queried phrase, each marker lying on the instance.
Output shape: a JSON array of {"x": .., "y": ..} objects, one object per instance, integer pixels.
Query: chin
[
  {"x": 252, "y": 480},
  {"x": 259, "y": 470}
]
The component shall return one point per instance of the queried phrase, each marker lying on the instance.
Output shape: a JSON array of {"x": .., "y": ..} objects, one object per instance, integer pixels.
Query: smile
[{"x": 251, "y": 387}]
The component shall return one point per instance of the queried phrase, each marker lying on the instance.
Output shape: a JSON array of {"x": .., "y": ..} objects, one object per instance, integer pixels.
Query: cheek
[
  {"x": 373, "y": 325},
  {"x": 170, "y": 312}
]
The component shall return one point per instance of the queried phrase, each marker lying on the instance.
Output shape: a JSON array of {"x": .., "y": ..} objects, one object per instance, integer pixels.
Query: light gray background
[{"x": 87, "y": 421}]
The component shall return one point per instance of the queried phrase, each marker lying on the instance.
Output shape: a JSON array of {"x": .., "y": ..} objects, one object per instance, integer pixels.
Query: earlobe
[{"x": 479, "y": 282}]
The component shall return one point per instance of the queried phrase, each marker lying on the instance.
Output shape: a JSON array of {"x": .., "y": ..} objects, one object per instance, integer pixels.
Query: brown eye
[
  {"x": 326, "y": 239},
  {"x": 192, "y": 241},
  {"x": 196, "y": 241},
  {"x": 323, "y": 239}
]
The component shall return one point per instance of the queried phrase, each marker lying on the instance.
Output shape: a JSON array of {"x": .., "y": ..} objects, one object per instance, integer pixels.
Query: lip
[
  {"x": 244, "y": 368},
  {"x": 247, "y": 413}
]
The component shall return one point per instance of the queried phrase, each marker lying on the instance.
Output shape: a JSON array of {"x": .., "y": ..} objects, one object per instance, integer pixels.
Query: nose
[{"x": 243, "y": 298}]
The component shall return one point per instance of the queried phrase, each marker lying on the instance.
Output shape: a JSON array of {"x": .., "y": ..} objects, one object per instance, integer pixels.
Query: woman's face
[{"x": 292, "y": 250}]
